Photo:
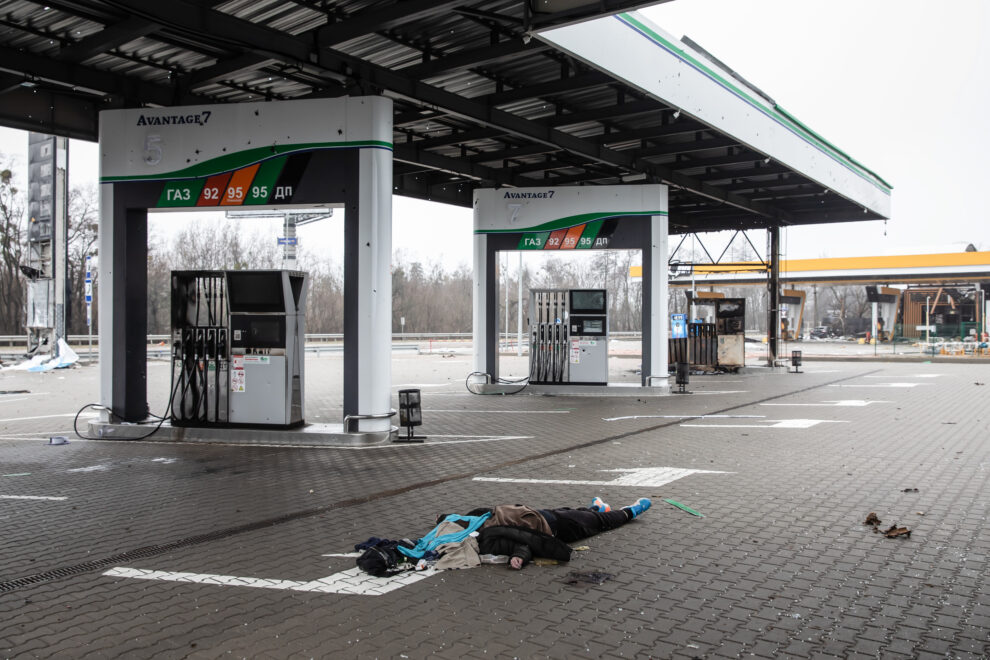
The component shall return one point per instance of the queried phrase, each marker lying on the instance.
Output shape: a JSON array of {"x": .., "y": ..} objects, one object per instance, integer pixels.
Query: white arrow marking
[
  {"x": 351, "y": 582},
  {"x": 772, "y": 424},
  {"x": 845, "y": 403},
  {"x": 643, "y": 477}
]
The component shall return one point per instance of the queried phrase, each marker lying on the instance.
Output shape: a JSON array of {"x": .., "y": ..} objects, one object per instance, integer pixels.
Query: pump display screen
[
  {"x": 264, "y": 332},
  {"x": 255, "y": 291},
  {"x": 593, "y": 326},
  {"x": 590, "y": 301},
  {"x": 257, "y": 331}
]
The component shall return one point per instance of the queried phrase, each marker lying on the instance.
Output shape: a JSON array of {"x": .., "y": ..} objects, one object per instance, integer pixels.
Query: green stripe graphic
[
  {"x": 180, "y": 193},
  {"x": 570, "y": 221},
  {"x": 235, "y": 161},
  {"x": 533, "y": 241},
  {"x": 588, "y": 236},
  {"x": 264, "y": 181}
]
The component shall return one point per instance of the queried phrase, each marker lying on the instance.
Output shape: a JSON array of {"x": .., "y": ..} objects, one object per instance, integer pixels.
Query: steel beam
[{"x": 111, "y": 36}]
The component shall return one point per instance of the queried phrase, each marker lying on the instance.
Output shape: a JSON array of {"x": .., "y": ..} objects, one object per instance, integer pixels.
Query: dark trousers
[{"x": 571, "y": 525}]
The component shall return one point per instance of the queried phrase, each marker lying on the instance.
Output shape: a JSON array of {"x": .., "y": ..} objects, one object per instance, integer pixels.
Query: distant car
[{"x": 820, "y": 332}]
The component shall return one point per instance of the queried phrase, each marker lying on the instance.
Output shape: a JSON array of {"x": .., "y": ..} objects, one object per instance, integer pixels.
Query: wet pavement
[{"x": 141, "y": 549}]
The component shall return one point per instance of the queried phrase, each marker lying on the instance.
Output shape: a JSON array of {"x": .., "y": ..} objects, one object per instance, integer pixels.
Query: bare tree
[
  {"x": 12, "y": 235},
  {"x": 84, "y": 213}
]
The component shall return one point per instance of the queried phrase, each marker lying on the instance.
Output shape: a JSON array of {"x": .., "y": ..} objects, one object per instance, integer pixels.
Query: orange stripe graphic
[
  {"x": 240, "y": 183},
  {"x": 572, "y": 238}
]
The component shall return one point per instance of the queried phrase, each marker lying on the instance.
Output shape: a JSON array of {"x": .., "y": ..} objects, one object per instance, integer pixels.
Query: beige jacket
[{"x": 517, "y": 515}]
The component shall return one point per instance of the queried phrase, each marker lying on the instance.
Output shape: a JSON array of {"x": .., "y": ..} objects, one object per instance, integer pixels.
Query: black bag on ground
[{"x": 383, "y": 559}]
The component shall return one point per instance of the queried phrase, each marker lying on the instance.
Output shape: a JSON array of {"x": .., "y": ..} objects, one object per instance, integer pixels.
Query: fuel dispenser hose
[
  {"x": 500, "y": 381},
  {"x": 100, "y": 406}
]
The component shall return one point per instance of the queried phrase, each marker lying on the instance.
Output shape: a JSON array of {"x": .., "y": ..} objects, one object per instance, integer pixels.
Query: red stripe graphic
[
  {"x": 555, "y": 239},
  {"x": 213, "y": 190}
]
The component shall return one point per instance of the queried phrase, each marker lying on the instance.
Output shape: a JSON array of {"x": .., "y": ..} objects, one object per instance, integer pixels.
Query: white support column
[
  {"x": 480, "y": 336},
  {"x": 374, "y": 324},
  {"x": 659, "y": 316},
  {"x": 105, "y": 302}
]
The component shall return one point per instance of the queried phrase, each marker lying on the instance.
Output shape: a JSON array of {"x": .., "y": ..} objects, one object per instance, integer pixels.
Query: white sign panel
[
  {"x": 639, "y": 52},
  {"x": 506, "y": 210},
  {"x": 197, "y": 141}
]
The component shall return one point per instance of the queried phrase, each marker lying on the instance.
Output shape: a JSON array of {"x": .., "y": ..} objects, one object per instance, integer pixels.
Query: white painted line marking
[
  {"x": 880, "y": 385},
  {"x": 385, "y": 446},
  {"x": 845, "y": 403},
  {"x": 350, "y": 582},
  {"x": 91, "y": 468},
  {"x": 718, "y": 391},
  {"x": 643, "y": 477},
  {"x": 476, "y": 438},
  {"x": 615, "y": 419},
  {"x": 21, "y": 419},
  {"x": 424, "y": 385},
  {"x": 21, "y": 396},
  {"x": 32, "y": 497},
  {"x": 352, "y": 555},
  {"x": 772, "y": 424},
  {"x": 166, "y": 461},
  {"x": 502, "y": 412}
]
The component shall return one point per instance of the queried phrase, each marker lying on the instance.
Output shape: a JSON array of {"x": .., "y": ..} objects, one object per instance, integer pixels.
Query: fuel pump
[
  {"x": 199, "y": 348},
  {"x": 547, "y": 336},
  {"x": 588, "y": 342},
  {"x": 238, "y": 348},
  {"x": 568, "y": 336}
]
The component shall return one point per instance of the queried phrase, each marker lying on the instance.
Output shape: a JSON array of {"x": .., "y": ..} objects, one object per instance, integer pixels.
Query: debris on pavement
[
  {"x": 894, "y": 531},
  {"x": 582, "y": 548},
  {"x": 544, "y": 561},
  {"x": 910, "y": 490},
  {"x": 683, "y": 507},
  {"x": 587, "y": 577},
  {"x": 58, "y": 440},
  {"x": 872, "y": 519},
  {"x": 15, "y": 391}
]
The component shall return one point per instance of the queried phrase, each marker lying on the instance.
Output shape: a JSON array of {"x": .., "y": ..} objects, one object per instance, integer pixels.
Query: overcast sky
[{"x": 900, "y": 85}]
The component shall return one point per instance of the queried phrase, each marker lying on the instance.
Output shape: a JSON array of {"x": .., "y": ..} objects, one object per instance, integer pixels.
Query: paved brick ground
[{"x": 780, "y": 566}]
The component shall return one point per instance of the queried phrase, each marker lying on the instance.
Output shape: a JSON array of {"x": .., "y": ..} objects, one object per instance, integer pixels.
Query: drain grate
[{"x": 154, "y": 550}]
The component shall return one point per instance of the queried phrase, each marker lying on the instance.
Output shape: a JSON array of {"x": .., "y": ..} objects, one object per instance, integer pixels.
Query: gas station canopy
[{"x": 486, "y": 93}]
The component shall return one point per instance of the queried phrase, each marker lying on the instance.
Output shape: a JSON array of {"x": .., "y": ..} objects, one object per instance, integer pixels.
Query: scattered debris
[
  {"x": 948, "y": 422},
  {"x": 920, "y": 513},
  {"x": 544, "y": 561},
  {"x": 15, "y": 391},
  {"x": 894, "y": 531},
  {"x": 910, "y": 490},
  {"x": 979, "y": 383},
  {"x": 684, "y": 508},
  {"x": 587, "y": 577},
  {"x": 58, "y": 440},
  {"x": 582, "y": 548}
]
